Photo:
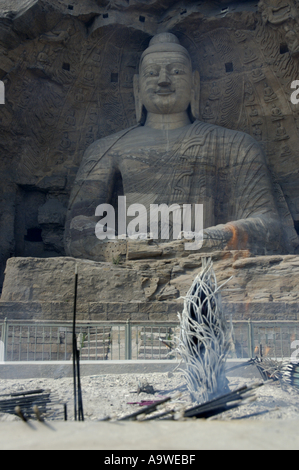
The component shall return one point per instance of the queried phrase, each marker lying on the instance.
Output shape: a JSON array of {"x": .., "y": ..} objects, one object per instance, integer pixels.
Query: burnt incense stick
[
  {"x": 75, "y": 342},
  {"x": 78, "y": 402}
]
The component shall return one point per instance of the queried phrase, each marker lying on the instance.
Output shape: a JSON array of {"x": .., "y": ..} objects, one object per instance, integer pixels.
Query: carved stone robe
[{"x": 222, "y": 169}]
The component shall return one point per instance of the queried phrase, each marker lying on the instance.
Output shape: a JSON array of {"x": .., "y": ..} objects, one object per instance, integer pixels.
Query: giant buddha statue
[{"x": 171, "y": 157}]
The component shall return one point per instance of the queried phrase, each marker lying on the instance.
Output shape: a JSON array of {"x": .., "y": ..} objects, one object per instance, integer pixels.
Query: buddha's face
[{"x": 165, "y": 82}]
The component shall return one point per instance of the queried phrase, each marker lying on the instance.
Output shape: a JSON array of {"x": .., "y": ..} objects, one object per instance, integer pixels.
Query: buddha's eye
[
  {"x": 152, "y": 73},
  {"x": 177, "y": 72}
]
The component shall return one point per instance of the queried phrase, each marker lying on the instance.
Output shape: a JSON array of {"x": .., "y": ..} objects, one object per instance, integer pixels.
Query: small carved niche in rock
[
  {"x": 229, "y": 67},
  {"x": 66, "y": 66},
  {"x": 284, "y": 48},
  {"x": 114, "y": 78},
  {"x": 34, "y": 235}
]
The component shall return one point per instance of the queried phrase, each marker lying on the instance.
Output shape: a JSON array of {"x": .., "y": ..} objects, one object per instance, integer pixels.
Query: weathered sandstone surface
[{"x": 261, "y": 288}]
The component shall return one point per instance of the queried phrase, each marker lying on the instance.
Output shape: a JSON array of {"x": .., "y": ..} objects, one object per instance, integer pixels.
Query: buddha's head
[{"x": 166, "y": 83}]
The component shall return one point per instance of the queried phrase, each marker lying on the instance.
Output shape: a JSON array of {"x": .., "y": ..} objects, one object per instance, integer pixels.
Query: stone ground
[{"x": 109, "y": 395}]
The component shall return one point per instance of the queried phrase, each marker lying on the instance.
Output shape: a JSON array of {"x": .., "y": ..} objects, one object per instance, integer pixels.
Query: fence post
[
  {"x": 128, "y": 341},
  {"x": 250, "y": 339}
]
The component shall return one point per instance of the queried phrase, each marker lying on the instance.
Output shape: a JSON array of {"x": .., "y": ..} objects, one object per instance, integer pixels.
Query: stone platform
[{"x": 262, "y": 287}]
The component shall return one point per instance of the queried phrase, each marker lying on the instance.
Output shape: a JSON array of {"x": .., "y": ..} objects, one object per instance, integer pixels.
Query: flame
[
  {"x": 267, "y": 350},
  {"x": 239, "y": 238},
  {"x": 233, "y": 242}
]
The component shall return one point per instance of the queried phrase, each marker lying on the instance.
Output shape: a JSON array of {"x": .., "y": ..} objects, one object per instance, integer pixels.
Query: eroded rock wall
[{"x": 261, "y": 288}]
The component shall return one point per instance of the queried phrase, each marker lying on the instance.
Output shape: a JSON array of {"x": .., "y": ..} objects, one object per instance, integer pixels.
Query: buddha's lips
[{"x": 164, "y": 93}]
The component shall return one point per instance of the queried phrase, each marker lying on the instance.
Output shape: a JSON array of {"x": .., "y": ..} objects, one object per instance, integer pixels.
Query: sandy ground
[{"x": 110, "y": 395}]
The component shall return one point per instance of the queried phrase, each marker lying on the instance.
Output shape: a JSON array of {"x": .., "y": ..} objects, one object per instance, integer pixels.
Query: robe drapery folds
[{"x": 222, "y": 169}]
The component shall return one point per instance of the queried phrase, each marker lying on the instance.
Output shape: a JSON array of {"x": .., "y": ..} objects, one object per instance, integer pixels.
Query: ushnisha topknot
[
  {"x": 165, "y": 42},
  {"x": 162, "y": 38}
]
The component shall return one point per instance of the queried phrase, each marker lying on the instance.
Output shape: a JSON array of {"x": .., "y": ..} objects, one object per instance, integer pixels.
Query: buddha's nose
[{"x": 164, "y": 80}]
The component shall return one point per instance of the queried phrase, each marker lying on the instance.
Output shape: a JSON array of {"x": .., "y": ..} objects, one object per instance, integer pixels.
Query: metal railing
[{"x": 52, "y": 341}]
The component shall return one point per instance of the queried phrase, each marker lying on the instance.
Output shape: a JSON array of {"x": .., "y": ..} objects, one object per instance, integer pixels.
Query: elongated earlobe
[
  {"x": 138, "y": 102},
  {"x": 195, "y": 94}
]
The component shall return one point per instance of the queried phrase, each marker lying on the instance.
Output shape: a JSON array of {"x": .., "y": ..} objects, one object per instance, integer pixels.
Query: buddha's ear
[
  {"x": 138, "y": 102},
  {"x": 195, "y": 94}
]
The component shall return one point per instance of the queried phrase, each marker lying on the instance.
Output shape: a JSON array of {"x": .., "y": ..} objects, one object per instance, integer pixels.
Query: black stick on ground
[
  {"x": 78, "y": 402},
  {"x": 75, "y": 343},
  {"x": 221, "y": 404}
]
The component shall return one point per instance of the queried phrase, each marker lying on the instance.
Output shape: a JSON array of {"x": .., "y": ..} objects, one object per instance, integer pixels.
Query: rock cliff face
[
  {"x": 263, "y": 287},
  {"x": 68, "y": 68}
]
